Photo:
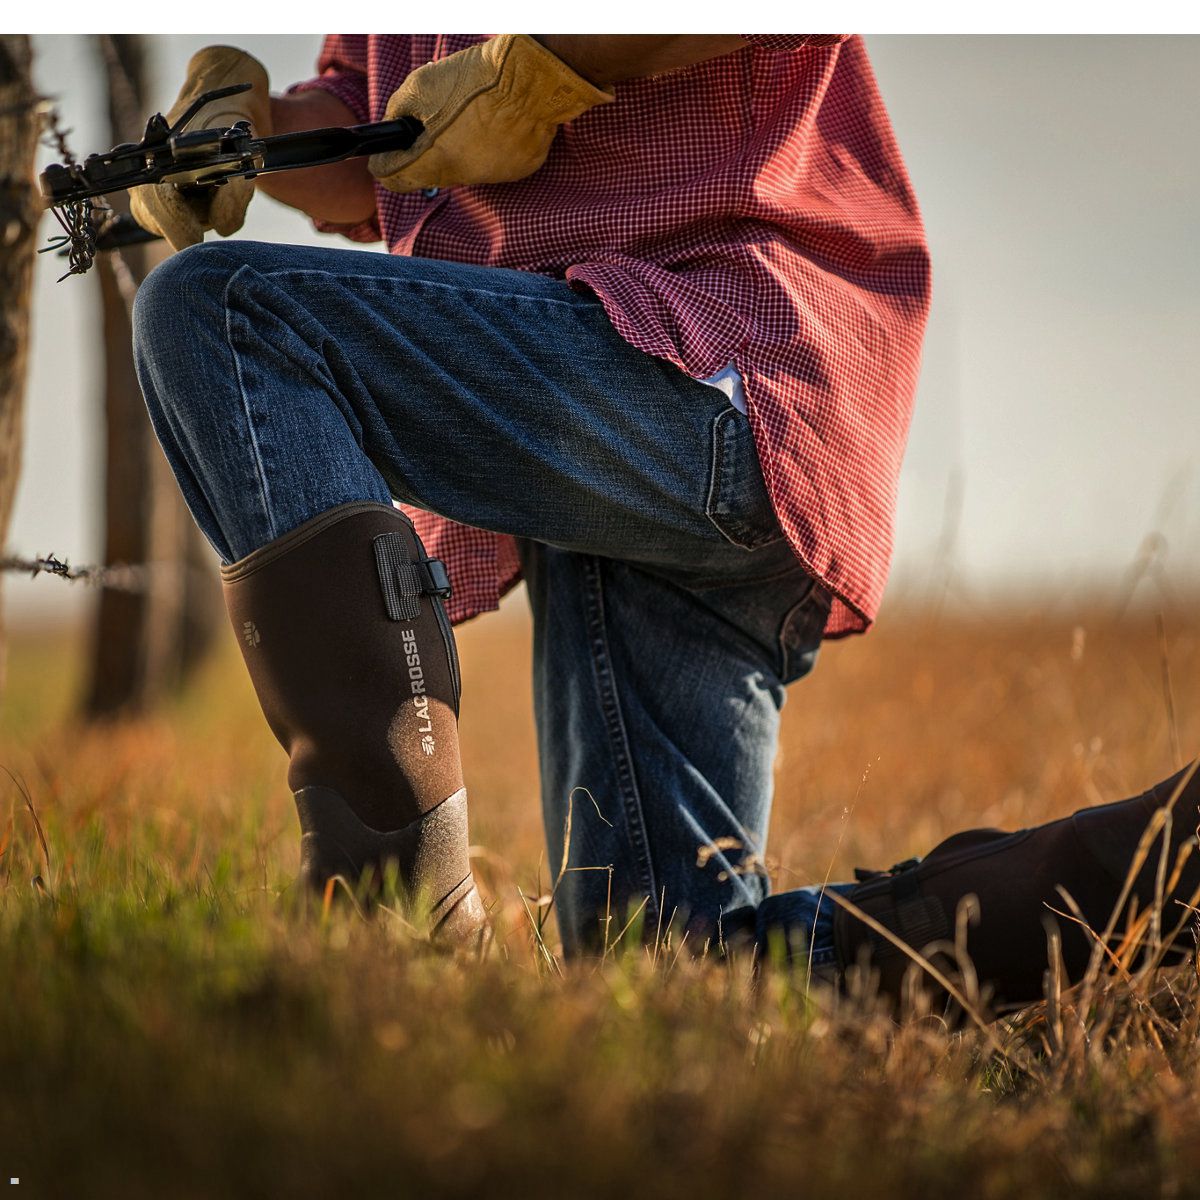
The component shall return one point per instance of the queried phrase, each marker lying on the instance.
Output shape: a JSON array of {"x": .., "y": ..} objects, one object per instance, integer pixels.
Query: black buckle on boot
[
  {"x": 404, "y": 580},
  {"x": 864, "y": 875},
  {"x": 434, "y": 578}
]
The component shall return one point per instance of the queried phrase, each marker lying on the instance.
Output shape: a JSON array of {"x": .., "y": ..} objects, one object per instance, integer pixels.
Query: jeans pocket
[{"x": 738, "y": 504}]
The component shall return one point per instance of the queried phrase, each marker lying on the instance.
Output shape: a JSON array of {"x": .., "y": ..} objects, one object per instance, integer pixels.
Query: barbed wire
[
  {"x": 76, "y": 217},
  {"x": 120, "y": 577},
  {"x": 54, "y": 136},
  {"x": 80, "y": 232},
  {"x": 82, "y": 221}
]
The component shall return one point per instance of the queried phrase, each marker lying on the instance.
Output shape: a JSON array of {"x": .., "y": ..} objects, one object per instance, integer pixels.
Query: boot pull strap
[
  {"x": 404, "y": 579},
  {"x": 866, "y": 874},
  {"x": 921, "y": 918}
]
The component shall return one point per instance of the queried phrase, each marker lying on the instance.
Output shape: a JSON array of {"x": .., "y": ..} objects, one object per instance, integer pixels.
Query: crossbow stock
[{"x": 193, "y": 160}]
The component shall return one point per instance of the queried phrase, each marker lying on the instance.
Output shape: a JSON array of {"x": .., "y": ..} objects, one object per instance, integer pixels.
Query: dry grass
[{"x": 171, "y": 1024}]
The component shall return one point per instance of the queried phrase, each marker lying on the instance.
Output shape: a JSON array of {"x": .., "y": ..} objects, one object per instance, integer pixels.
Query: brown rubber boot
[
  {"x": 1016, "y": 879},
  {"x": 349, "y": 648}
]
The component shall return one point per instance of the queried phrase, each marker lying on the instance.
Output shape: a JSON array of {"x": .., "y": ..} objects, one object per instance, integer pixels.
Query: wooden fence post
[
  {"x": 144, "y": 644},
  {"x": 20, "y": 210}
]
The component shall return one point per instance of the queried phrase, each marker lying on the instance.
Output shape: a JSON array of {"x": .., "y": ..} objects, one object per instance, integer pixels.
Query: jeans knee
[
  {"x": 178, "y": 327},
  {"x": 181, "y": 292}
]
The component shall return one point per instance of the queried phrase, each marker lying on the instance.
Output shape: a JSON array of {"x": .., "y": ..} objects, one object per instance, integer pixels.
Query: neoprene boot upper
[
  {"x": 1017, "y": 882},
  {"x": 343, "y": 631}
]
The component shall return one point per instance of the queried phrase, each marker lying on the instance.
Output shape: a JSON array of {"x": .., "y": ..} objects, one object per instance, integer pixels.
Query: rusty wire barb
[
  {"x": 78, "y": 218},
  {"x": 121, "y": 578},
  {"x": 82, "y": 221}
]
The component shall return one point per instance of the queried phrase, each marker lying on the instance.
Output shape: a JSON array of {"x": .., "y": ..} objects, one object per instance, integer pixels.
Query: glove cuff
[
  {"x": 561, "y": 92},
  {"x": 216, "y": 67}
]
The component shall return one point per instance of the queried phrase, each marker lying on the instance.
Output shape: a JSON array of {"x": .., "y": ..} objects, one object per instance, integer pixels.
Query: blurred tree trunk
[
  {"x": 20, "y": 210},
  {"x": 144, "y": 643}
]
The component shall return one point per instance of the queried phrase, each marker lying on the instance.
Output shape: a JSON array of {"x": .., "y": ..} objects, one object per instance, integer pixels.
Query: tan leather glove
[
  {"x": 490, "y": 113},
  {"x": 161, "y": 207}
]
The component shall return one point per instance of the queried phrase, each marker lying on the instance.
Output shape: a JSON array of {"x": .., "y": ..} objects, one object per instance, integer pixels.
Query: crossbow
[{"x": 194, "y": 160}]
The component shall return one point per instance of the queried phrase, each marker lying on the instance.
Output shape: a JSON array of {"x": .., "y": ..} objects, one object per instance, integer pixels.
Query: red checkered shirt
[{"x": 751, "y": 209}]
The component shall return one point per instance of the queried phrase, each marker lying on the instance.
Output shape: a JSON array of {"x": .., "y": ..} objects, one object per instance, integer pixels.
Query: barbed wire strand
[{"x": 120, "y": 577}]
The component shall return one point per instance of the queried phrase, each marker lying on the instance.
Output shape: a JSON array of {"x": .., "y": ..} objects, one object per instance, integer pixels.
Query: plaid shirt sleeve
[{"x": 342, "y": 71}]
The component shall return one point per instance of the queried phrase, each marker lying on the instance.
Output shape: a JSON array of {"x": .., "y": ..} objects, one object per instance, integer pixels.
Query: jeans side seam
[
  {"x": 264, "y": 488},
  {"x": 716, "y": 472},
  {"x": 618, "y": 736}
]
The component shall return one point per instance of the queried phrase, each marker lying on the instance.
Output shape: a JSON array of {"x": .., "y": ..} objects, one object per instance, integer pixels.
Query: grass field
[{"x": 172, "y": 1024}]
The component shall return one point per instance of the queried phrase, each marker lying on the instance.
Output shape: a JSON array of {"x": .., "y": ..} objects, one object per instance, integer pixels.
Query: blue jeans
[{"x": 668, "y": 611}]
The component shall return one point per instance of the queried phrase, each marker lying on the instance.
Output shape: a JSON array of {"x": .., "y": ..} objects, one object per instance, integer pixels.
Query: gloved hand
[
  {"x": 161, "y": 207},
  {"x": 490, "y": 113}
]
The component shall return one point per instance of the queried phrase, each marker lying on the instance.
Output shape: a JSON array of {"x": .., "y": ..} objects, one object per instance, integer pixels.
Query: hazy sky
[{"x": 1060, "y": 398}]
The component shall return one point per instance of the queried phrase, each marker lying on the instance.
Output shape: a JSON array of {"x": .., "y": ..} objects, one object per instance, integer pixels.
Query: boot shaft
[
  {"x": 353, "y": 661},
  {"x": 344, "y": 634}
]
